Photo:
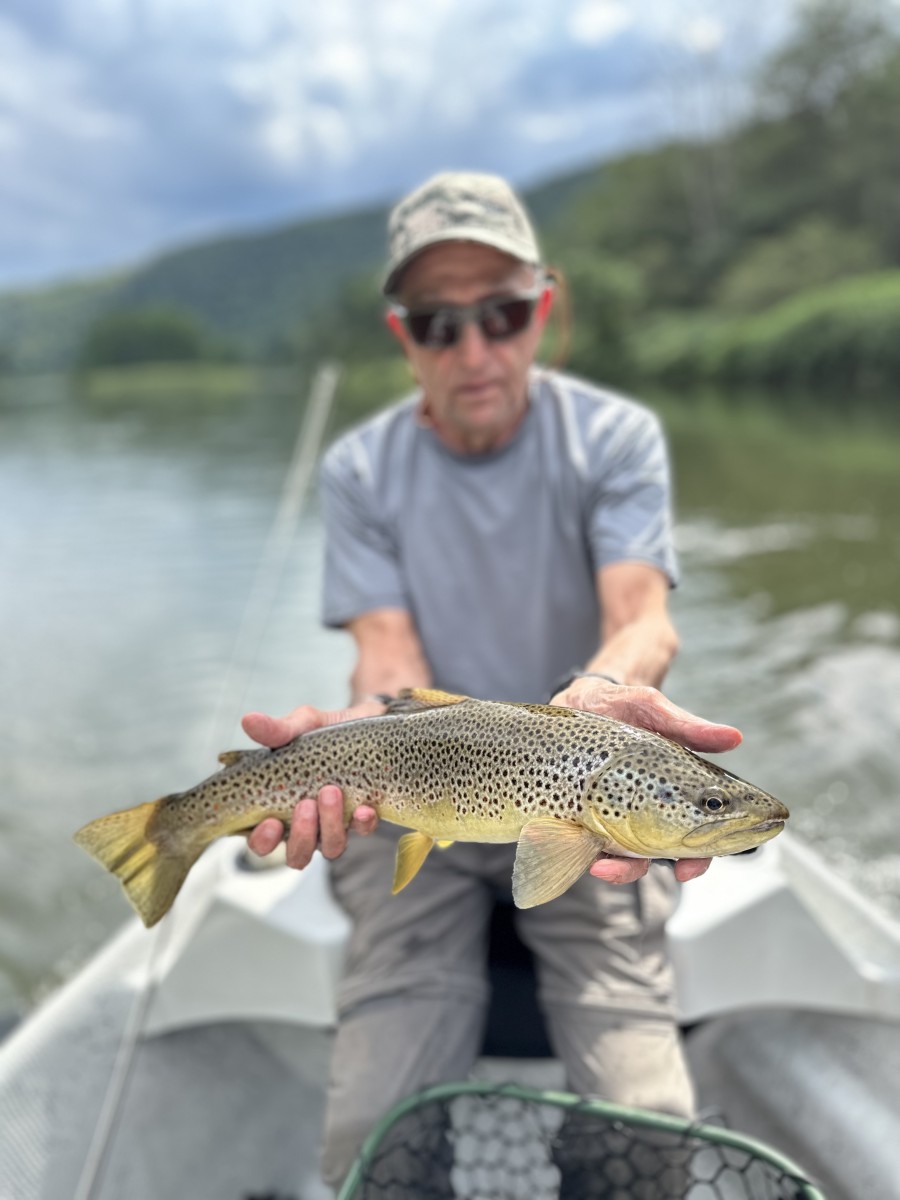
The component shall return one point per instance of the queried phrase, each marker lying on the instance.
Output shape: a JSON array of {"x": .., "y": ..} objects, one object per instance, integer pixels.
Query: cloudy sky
[{"x": 130, "y": 126}]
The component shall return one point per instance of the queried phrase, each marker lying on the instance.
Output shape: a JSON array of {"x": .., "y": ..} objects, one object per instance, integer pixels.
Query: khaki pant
[{"x": 414, "y": 998}]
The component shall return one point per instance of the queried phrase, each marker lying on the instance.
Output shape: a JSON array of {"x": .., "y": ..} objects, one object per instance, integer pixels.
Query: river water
[{"x": 136, "y": 626}]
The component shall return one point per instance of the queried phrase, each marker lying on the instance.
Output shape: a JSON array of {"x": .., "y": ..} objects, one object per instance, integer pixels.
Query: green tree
[
  {"x": 809, "y": 254},
  {"x": 605, "y": 298},
  {"x": 351, "y": 329},
  {"x": 148, "y": 336},
  {"x": 834, "y": 44}
]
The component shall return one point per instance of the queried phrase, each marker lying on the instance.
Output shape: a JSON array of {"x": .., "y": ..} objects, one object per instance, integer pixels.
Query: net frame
[{"x": 613, "y": 1115}]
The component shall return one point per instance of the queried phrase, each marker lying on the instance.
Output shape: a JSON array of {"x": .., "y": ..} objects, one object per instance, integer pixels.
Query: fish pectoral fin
[
  {"x": 416, "y": 699},
  {"x": 412, "y": 850},
  {"x": 550, "y": 856},
  {"x": 442, "y": 845}
]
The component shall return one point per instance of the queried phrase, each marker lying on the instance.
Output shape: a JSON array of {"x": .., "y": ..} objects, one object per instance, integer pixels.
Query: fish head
[{"x": 659, "y": 800}]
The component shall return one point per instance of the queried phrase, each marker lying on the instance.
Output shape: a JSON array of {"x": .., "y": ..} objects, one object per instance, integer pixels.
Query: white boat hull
[{"x": 192, "y": 1060}]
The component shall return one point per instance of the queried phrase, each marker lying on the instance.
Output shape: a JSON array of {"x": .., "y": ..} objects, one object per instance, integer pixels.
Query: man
[{"x": 504, "y": 533}]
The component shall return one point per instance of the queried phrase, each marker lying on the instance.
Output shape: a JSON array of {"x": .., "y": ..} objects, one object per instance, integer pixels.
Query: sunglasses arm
[
  {"x": 545, "y": 303},
  {"x": 395, "y": 325}
]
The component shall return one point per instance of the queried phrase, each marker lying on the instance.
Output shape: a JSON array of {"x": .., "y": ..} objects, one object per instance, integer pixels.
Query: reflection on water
[{"x": 130, "y": 545}]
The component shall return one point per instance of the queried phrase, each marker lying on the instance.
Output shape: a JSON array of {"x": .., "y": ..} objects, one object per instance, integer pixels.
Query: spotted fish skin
[{"x": 566, "y": 784}]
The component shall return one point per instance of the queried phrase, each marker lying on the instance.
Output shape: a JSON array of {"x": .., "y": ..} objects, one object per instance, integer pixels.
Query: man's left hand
[{"x": 648, "y": 708}]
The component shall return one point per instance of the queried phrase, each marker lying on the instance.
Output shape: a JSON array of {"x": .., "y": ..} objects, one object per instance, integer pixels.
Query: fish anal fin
[
  {"x": 412, "y": 850},
  {"x": 414, "y": 699},
  {"x": 550, "y": 856}
]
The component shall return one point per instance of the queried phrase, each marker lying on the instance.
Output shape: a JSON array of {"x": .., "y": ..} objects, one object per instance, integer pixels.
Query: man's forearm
[
  {"x": 389, "y": 655},
  {"x": 640, "y": 652}
]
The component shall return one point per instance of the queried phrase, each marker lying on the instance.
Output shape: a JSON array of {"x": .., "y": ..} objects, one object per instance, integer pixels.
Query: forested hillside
[
  {"x": 769, "y": 252},
  {"x": 254, "y": 292}
]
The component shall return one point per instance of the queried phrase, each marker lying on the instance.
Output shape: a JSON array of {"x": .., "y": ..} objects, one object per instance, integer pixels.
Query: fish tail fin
[{"x": 151, "y": 874}]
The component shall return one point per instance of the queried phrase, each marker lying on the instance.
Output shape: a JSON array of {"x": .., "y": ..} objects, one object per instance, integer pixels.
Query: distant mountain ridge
[{"x": 253, "y": 289}]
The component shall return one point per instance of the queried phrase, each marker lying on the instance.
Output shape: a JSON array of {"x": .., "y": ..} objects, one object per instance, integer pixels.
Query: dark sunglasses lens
[
  {"x": 505, "y": 318},
  {"x": 497, "y": 319},
  {"x": 433, "y": 327}
]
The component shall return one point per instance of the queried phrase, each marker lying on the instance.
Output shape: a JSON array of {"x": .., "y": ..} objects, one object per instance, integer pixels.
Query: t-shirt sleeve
[
  {"x": 630, "y": 501},
  {"x": 362, "y": 570}
]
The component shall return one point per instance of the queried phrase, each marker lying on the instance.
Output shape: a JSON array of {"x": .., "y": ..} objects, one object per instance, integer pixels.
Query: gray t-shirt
[{"x": 494, "y": 555}]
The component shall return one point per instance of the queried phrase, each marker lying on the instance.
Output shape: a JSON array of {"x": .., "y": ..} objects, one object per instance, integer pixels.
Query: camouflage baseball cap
[{"x": 458, "y": 206}]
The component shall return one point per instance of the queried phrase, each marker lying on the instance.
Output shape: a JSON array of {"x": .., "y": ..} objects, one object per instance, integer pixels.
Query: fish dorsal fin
[
  {"x": 415, "y": 699},
  {"x": 550, "y": 856},
  {"x": 412, "y": 850},
  {"x": 229, "y": 757}
]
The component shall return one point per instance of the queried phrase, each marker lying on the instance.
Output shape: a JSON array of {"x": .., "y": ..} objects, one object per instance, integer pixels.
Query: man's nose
[{"x": 472, "y": 344}]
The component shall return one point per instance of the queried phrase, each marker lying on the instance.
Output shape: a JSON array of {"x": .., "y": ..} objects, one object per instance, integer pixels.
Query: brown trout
[{"x": 566, "y": 785}]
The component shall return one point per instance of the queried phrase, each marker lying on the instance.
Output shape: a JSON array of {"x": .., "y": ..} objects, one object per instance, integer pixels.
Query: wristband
[{"x": 570, "y": 676}]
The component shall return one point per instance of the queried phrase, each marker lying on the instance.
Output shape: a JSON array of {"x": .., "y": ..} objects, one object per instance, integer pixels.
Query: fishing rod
[{"x": 257, "y": 613}]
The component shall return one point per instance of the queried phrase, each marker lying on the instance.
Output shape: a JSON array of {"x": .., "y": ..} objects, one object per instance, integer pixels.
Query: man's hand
[
  {"x": 317, "y": 823},
  {"x": 650, "y": 709}
]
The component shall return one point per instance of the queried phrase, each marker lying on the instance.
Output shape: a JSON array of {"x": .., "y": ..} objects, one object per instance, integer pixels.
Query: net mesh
[{"x": 477, "y": 1143}]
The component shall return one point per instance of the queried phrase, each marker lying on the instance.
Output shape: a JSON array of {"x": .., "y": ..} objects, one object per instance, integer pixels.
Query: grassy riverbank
[{"x": 841, "y": 340}]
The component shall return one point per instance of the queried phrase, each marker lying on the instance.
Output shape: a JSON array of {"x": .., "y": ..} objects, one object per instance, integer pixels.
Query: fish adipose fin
[
  {"x": 412, "y": 850},
  {"x": 150, "y": 876},
  {"x": 416, "y": 699},
  {"x": 550, "y": 856}
]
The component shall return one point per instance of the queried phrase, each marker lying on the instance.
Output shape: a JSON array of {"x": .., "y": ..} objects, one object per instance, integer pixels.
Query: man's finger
[
  {"x": 620, "y": 870},
  {"x": 364, "y": 820},
  {"x": 278, "y": 731},
  {"x": 266, "y": 836},
  {"x": 687, "y": 869},
  {"x": 332, "y": 834},
  {"x": 650, "y": 709},
  {"x": 304, "y": 835}
]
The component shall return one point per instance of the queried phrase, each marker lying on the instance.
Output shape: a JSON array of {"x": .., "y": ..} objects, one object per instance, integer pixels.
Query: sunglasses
[{"x": 498, "y": 317}]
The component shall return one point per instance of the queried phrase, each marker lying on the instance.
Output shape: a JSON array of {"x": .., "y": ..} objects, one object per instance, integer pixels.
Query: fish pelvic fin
[
  {"x": 416, "y": 699},
  {"x": 550, "y": 856},
  {"x": 412, "y": 850},
  {"x": 123, "y": 843}
]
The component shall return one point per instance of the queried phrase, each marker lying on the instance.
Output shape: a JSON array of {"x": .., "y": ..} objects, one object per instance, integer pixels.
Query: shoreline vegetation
[
  {"x": 764, "y": 259},
  {"x": 841, "y": 340},
  {"x": 787, "y": 426}
]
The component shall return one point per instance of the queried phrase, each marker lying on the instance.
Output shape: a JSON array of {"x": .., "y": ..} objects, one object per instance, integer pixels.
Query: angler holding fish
[{"x": 502, "y": 535}]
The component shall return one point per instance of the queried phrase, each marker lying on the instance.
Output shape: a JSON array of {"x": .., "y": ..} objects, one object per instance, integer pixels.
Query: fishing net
[{"x": 478, "y": 1141}]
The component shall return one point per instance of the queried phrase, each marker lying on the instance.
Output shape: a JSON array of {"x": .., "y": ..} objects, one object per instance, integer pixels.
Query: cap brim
[{"x": 485, "y": 237}]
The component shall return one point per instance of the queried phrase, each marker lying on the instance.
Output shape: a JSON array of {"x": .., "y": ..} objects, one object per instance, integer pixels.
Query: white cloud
[
  {"x": 129, "y": 124},
  {"x": 595, "y": 21},
  {"x": 51, "y": 90},
  {"x": 703, "y": 35}
]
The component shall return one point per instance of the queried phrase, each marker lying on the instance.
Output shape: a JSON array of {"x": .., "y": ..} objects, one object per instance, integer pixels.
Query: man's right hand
[{"x": 317, "y": 822}]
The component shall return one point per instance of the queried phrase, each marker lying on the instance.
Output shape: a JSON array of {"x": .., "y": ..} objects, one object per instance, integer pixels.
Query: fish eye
[{"x": 713, "y": 801}]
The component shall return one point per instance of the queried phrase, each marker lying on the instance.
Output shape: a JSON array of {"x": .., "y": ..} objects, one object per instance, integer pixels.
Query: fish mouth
[
  {"x": 718, "y": 838},
  {"x": 765, "y": 826}
]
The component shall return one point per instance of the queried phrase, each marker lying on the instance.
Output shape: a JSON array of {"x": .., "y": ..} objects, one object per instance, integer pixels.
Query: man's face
[{"x": 476, "y": 390}]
